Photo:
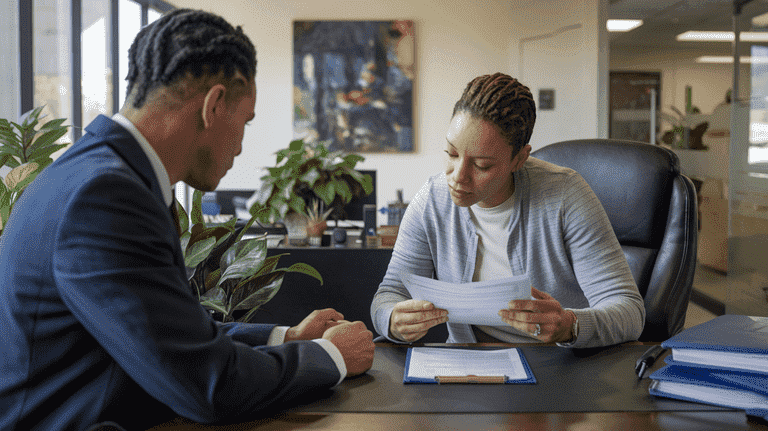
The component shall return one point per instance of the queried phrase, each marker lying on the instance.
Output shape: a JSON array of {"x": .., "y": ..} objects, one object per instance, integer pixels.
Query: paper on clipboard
[
  {"x": 476, "y": 303},
  {"x": 428, "y": 364}
]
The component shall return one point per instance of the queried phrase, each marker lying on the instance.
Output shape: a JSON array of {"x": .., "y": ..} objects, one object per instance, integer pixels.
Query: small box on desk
[{"x": 388, "y": 235}]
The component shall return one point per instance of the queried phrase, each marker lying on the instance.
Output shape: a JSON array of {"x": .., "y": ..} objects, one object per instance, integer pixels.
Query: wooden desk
[{"x": 592, "y": 389}]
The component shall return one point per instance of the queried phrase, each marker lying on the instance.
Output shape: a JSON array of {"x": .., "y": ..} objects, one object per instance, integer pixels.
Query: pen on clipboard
[
  {"x": 470, "y": 378},
  {"x": 648, "y": 359}
]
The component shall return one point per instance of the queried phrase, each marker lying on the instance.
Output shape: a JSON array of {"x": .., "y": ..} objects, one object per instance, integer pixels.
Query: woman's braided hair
[
  {"x": 186, "y": 41},
  {"x": 504, "y": 102}
]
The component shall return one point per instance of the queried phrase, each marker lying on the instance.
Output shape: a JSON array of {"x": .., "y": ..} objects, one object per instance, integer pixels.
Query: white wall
[
  {"x": 9, "y": 59},
  {"x": 456, "y": 40},
  {"x": 562, "y": 51}
]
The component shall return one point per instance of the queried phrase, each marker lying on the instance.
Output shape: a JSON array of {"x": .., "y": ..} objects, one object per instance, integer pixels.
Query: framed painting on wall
[{"x": 353, "y": 84}]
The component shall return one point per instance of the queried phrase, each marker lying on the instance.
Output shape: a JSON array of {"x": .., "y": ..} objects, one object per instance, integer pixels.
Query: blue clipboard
[{"x": 470, "y": 378}]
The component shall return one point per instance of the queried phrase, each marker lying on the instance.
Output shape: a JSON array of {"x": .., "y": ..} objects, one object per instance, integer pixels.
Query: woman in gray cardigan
[{"x": 496, "y": 212}]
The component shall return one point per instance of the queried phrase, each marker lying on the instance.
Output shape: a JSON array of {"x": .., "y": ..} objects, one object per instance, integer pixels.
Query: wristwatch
[{"x": 575, "y": 328}]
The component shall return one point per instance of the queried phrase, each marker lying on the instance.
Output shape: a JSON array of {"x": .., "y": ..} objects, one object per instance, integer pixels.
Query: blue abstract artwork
[{"x": 353, "y": 84}]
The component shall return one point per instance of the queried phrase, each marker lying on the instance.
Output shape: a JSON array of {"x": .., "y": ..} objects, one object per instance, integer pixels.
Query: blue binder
[
  {"x": 730, "y": 341},
  {"x": 747, "y": 391}
]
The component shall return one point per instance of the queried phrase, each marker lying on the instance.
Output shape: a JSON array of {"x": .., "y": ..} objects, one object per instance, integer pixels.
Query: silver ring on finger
[{"x": 537, "y": 332}]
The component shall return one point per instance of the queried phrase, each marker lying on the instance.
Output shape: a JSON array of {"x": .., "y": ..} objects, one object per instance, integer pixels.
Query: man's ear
[
  {"x": 213, "y": 104},
  {"x": 522, "y": 156}
]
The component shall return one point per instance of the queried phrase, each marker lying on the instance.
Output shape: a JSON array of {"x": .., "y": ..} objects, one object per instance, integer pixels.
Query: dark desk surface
[{"x": 576, "y": 389}]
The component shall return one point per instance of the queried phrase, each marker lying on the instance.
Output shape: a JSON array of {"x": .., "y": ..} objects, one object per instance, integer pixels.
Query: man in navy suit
[{"x": 98, "y": 321}]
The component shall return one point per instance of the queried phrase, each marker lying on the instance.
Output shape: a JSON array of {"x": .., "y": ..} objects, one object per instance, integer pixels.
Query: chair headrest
[{"x": 633, "y": 181}]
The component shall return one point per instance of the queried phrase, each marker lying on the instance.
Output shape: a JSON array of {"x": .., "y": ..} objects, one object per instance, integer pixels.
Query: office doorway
[{"x": 633, "y": 104}]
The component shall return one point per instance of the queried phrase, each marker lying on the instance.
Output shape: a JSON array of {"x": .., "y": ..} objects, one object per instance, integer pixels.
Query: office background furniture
[
  {"x": 634, "y": 99},
  {"x": 652, "y": 208},
  {"x": 351, "y": 276},
  {"x": 574, "y": 385}
]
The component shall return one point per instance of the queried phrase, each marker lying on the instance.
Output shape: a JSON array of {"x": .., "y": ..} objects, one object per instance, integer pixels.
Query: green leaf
[
  {"x": 29, "y": 119},
  {"x": 11, "y": 150},
  {"x": 4, "y": 158},
  {"x": 296, "y": 145},
  {"x": 184, "y": 239},
  {"x": 367, "y": 182},
  {"x": 303, "y": 268},
  {"x": 245, "y": 229},
  {"x": 258, "y": 298},
  {"x": 4, "y": 213},
  {"x": 54, "y": 124},
  {"x": 326, "y": 192},
  {"x": 213, "y": 278},
  {"x": 311, "y": 176},
  {"x": 183, "y": 217},
  {"x": 243, "y": 259},
  {"x": 198, "y": 251},
  {"x": 269, "y": 264},
  {"x": 44, "y": 152},
  {"x": 8, "y": 135},
  {"x": 197, "y": 207},
  {"x": 45, "y": 140},
  {"x": 215, "y": 306},
  {"x": 343, "y": 190},
  {"x": 217, "y": 295},
  {"x": 297, "y": 204},
  {"x": 218, "y": 233},
  {"x": 13, "y": 162},
  {"x": 230, "y": 224}
]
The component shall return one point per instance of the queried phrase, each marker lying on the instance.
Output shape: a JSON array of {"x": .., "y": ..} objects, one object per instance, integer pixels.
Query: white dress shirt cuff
[
  {"x": 277, "y": 337},
  {"x": 335, "y": 354}
]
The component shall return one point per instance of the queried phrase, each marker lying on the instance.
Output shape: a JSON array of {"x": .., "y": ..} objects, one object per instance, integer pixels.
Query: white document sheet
[
  {"x": 476, "y": 303},
  {"x": 428, "y": 362}
]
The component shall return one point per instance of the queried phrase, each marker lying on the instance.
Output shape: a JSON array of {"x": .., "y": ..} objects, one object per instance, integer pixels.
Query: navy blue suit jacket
[{"x": 98, "y": 320}]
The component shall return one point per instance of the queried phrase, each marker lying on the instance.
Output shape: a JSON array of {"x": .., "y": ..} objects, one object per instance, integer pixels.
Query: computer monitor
[{"x": 354, "y": 210}]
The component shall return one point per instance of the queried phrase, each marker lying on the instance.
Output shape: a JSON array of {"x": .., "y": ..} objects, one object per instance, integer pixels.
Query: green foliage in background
[
  {"x": 26, "y": 147},
  {"x": 304, "y": 172}
]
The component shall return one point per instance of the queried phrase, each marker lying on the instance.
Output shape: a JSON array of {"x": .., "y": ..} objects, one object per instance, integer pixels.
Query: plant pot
[
  {"x": 296, "y": 226},
  {"x": 315, "y": 230}
]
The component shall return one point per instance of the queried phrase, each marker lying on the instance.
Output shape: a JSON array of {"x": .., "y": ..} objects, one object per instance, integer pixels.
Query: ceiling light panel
[{"x": 721, "y": 36}]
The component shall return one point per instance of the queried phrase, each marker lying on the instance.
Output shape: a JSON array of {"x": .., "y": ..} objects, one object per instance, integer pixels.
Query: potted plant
[
  {"x": 232, "y": 276},
  {"x": 316, "y": 222},
  {"x": 26, "y": 148},
  {"x": 683, "y": 133},
  {"x": 308, "y": 172}
]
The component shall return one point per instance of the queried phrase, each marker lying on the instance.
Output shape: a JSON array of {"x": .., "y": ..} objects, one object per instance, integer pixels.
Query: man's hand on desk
[
  {"x": 355, "y": 342},
  {"x": 411, "y": 319},
  {"x": 314, "y": 325},
  {"x": 555, "y": 323}
]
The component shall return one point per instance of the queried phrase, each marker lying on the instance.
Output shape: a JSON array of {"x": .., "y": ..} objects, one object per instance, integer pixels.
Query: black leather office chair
[{"x": 653, "y": 210}]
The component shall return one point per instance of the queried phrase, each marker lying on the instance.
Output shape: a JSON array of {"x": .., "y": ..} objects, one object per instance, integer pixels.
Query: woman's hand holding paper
[
  {"x": 554, "y": 323},
  {"x": 411, "y": 319}
]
